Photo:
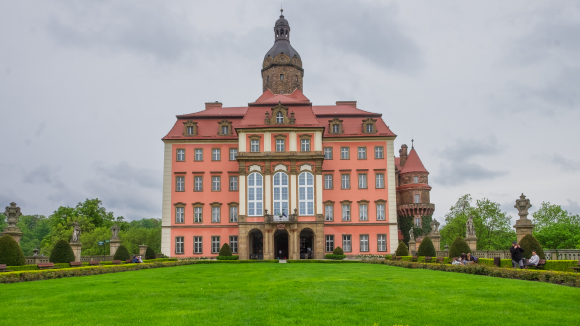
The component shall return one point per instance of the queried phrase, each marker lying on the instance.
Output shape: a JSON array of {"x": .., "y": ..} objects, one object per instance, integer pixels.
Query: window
[
  {"x": 379, "y": 180},
  {"x": 335, "y": 128},
  {"x": 178, "y": 245},
  {"x": 233, "y": 154},
  {"x": 280, "y": 194},
  {"x": 189, "y": 130},
  {"x": 234, "y": 243},
  {"x": 215, "y": 214},
  {"x": 346, "y": 212},
  {"x": 215, "y": 245},
  {"x": 279, "y": 117},
  {"x": 280, "y": 144},
  {"x": 415, "y": 179},
  {"x": 215, "y": 183},
  {"x": 379, "y": 152},
  {"x": 418, "y": 222},
  {"x": 362, "y": 153},
  {"x": 328, "y": 153},
  {"x": 380, "y": 212},
  {"x": 234, "y": 183},
  {"x": 180, "y": 184},
  {"x": 363, "y": 211},
  {"x": 197, "y": 214},
  {"x": 179, "y": 212},
  {"x": 362, "y": 181},
  {"x": 198, "y": 183},
  {"x": 364, "y": 242},
  {"x": 197, "y": 245},
  {"x": 381, "y": 242},
  {"x": 329, "y": 212},
  {"x": 329, "y": 243},
  {"x": 346, "y": 243},
  {"x": 345, "y": 181},
  {"x": 198, "y": 154},
  {"x": 417, "y": 198},
  {"x": 281, "y": 76},
  {"x": 305, "y": 145},
  {"x": 369, "y": 128},
  {"x": 267, "y": 79},
  {"x": 234, "y": 214},
  {"x": 344, "y": 153},
  {"x": 255, "y": 194},
  {"x": 328, "y": 181},
  {"x": 225, "y": 130},
  {"x": 215, "y": 154},
  {"x": 181, "y": 154},
  {"x": 254, "y": 145},
  {"x": 306, "y": 193}
]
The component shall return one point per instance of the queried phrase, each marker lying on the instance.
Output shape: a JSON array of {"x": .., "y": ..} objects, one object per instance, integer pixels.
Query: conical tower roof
[{"x": 413, "y": 163}]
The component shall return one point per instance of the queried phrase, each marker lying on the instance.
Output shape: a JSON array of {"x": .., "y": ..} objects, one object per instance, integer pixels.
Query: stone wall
[{"x": 282, "y": 65}]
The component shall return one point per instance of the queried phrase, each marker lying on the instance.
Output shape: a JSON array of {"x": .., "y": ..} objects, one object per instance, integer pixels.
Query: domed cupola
[{"x": 282, "y": 71}]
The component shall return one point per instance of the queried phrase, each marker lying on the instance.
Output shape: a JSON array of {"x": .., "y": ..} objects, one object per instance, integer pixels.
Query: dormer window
[
  {"x": 335, "y": 126},
  {"x": 189, "y": 128},
  {"x": 369, "y": 126},
  {"x": 335, "y": 129},
  {"x": 279, "y": 117},
  {"x": 225, "y": 128}
]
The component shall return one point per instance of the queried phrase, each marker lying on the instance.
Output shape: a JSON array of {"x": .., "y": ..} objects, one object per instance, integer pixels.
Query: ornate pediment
[{"x": 279, "y": 116}]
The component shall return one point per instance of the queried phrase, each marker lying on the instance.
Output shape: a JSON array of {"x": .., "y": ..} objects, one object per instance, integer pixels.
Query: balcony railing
[{"x": 280, "y": 219}]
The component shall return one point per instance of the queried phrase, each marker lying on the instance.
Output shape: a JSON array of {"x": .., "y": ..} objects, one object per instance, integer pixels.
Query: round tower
[{"x": 282, "y": 71}]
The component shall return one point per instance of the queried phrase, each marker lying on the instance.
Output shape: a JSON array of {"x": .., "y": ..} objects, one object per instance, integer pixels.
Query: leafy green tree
[
  {"x": 10, "y": 252},
  {"x": 402, "y": 250},
  {"x": 455, "y": 220},
  {"x": 225, "y": 250},
  {"x": 122, "y": 253},
  {"x": 426, "y": 248},
  {"x": 150, "y": 253},
  {"x": 62, "y": 253},
  {"x": 529, "y": 244},
  {"x": 90, "y": 241},
  {"x": 3, "y": 223},
  {"x": 458, "y": 247},
  {"x": 34, "y": 228},
  {"x": 135, "y": 236},
  {"x": 556, "y": 228}
]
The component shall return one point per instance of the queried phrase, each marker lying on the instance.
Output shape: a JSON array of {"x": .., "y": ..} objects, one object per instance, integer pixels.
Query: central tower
[{"x": 282, "y": 71}]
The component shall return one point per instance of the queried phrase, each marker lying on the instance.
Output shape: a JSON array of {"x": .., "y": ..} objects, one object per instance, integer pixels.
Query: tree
[
  {"x": 3, "y": 223},
  {"x": 62, "y": 253},
  {"x": 458, "y": 247},
  {"x": 556, "y": 228},
  {"x": 122, "y": 253},
  {"x": 338, "y": 251},
  {"x": 455, "y": 220},
  {"x": 225, "y": 250},
  {"x": 10, "y": 252},
  {"x": 529, "y": 244},
  {"x": 426, "y": 248},
  {"x": 150, "y": 253},
  {"x": 402, "y": 250},
  {"x": 34, "y": 228}
]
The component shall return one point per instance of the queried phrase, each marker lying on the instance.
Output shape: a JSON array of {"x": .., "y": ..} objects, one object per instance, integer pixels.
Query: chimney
[
  {"x": 347, "y": 103},
  {"x": 213, "y": 105},
  {"x": 403, "y": 154}
]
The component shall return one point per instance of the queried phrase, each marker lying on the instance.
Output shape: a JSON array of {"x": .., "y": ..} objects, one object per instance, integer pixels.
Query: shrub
[
  {"x": 529, "y": 244},
  {"x": 10, "y": 252},
  {"x": 458, "y": 247},
  {"x": 122, "y": 253},
  {"x": 149, "y": 253},
  {"x": 225, "y": 251},
  {"x": 560, "y": 265},
  {"x": 389, "y": 257},
  {"x": 335, "y": 257},
  {"x": 235, "y": 257},
  {"x": 402, "y": 250},
  {"x": 338, "y": 251},
  {"x": 426, "y": 248},
  {"x": 62, "y": 253}
]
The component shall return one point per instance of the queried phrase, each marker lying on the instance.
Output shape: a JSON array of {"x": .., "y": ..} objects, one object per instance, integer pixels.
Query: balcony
[
  {"x": 416, "y": 209},
  {"x": 280, "y": 219}
]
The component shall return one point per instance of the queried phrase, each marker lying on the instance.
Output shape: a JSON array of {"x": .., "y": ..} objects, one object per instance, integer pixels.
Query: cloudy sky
[{"x": 488, "y": 90}]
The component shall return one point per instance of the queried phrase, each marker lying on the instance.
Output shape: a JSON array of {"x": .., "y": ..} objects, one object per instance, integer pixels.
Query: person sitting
[
  {"x": 471, "y": 259},
  {"x": 135, "y": 259},
  {"x": 139, "y": 259},
  {"x": 534, "y": 260},
  {"x": 464, "y": 260},
  {"x": 456, "y": 261}
]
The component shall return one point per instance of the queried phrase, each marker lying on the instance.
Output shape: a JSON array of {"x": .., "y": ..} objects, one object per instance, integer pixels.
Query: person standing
[{"x": 517, "y": 253}]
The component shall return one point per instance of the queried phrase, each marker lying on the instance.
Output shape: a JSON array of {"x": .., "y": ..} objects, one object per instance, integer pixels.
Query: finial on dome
[{"x": 412, "y": 144}]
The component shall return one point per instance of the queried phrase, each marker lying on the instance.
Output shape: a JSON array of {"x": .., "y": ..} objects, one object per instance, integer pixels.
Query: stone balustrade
[{"x": 551, "y": 254}]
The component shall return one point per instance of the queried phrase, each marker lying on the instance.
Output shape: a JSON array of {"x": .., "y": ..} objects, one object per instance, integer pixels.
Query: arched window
[
  {"x": 306, "y": 193},
  {"x": 280, "y": 193},
  {"x": 255, "y": 202},
  {"x": 279, "y": 117}
]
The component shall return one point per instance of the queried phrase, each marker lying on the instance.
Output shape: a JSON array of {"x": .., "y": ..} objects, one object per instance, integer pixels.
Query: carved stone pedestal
[
  {"x": 471, "y": 242},
  {"x": 76, "y": 247},
  {"x": 436, "y": 239},
  {"x": 14, "y": 232},
  {"x": 114, "y": 245},
  {"x": 523, "y": 227},
  {"x": 142, "y": 250},
  {"x": 412, "y": 247}
]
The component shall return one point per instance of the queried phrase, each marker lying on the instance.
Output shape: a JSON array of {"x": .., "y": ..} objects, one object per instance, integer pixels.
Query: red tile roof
[
  {"x": 206, "y": 129},
  {"x": 269, "y": 98},
  {"x": 413, "y": 163},
  {"x": 341, "y": 110},
  {"x": 256, "y": 114}
]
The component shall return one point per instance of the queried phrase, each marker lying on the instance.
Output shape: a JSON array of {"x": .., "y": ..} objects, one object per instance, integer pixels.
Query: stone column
[
  {"x": 76, "y": 247},
  {"x": 436, "y": 239},
  {"x": 523, "y": 225},
  {"x": 12, "y": 214},
  {"x": 142, "y": 250},
  {"x": 113, "y": 245}
]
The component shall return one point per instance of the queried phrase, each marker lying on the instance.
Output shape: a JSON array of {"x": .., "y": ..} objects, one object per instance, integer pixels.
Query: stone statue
[
  {"x": 115, "y": 231},
  {"x": 470, "y": 228},
  {"x": 523, "y": 205},
  {"x": 76, "y": 237},
  {"x": 12, "y": 214},
  {"x": 411, "y": 235},
  {"x": 435, "y": 226}
]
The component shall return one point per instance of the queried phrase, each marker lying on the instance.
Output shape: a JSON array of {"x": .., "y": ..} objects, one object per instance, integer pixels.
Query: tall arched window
[
  {"x": 279, "y": 117},
  {"x": 255, "y": 201},
  {"x": 280, "y": 193},
  {"x": 306, "y": 193}
]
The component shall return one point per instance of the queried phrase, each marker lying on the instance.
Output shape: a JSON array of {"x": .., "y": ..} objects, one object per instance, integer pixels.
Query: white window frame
[
  {"x": 279, "y": 117},
  {"x": 198, "y": 245},
  {"x": 255, "y": 194},
  {"x": 363, "y": 212},
  {"x": 280, "y": 145},
  {"x": 344, "y": 153},
  {"x": 254, "y": 145},
  {"x": 381, "y": 242},
  {"x": 362, "y": 181},
  {"x": 189, "y": 130},
  {"x": 216, "y": 154},
  {"x": 233, "y": 154},
  {"x": 234, "y": 183},
  {"x": 198, "y": 215},
  {"x": 180, "y": 155},
  {"x": 345, "y": 181},
  {"x": 335, "y": 128},
  {"x": 416, "y": 199},
  {"x": 415, "y": 179},
  {"x": 280, "y": 194},
  {"x": 198, "y": 153},
  {"x": 305, "y": 145},
  {"x": 180, "y": 184},
  {"x": 347, "y": 243},
  {"x": 234, "y": 243},
  {"x": 364, "y": 242},
  {"x": 216, "y": 214},
  {"x": 306, "y": 193},
  {"x": 346, "y": 214},
  {"x": 225, "y": 130},
  {"x": 233, "y": 214},
  {"x": 379, "y": 181},
  {"x": 179, "y": 214},
  {"x": 329, "y": 243},
  {"x": 362, "y": 153},
  {"x": 328, "y": 153},
  {"x": 370, "y": 128},
  {"x": 379, "y": 152},
  {"x": 329, "y": 212},
  {"x": 328, "y": 181},
  {"x": 179, "y": 245},
  {"x": 215, "y": 244},
  {"x": 198, "y": 183},
  {"x": 216, "y": 182},
  {"x": 380, "y": 212},
  {"x": 417, "y": 222}
]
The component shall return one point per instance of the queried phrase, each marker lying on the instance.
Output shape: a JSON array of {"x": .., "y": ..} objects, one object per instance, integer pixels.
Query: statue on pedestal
[
  {"x": 76, "y": 237},
  {"x": 12, "y": 214},
  {"x": 523, "y": 205},
  {"x": 411, "y": 235},
  {"x": 470, "y": 228},
  {"x": 435, "y": 226},
  {"x": 115, "y": 232}
]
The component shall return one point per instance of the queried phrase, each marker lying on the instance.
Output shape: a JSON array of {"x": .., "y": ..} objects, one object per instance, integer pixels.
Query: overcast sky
[{"x": 489, "y": 90}]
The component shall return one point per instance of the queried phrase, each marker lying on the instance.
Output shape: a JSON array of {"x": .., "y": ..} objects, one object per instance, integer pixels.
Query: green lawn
[{"x": 287, "y": 294}]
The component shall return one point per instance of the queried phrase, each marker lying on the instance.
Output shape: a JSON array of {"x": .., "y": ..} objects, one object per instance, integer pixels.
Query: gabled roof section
[
  {"x": 269, "y": 98},
  {"x": 256, "y": 115},
  {"x": 216, "y": 113},
  {"x": 413, "y": 163}
]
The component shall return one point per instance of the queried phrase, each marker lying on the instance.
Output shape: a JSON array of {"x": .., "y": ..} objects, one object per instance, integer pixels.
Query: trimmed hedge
[
  {"x": 62, "y": 253},
  {"x": 458, "y": 247},
  {"x": 315, "y": 261},
  {"x": 122, "y": 254},
  {"x": 560, "y": 265},
  {"x": 10, "y": 252},
  {"x": 149, "y": 253},
  {"x": 529, "y": 243},
  {"x": 402, "y": 249},
  {"x": 236, "y": 257},
  {"x": 389, "y": 257},
  {"x": 337, "y": 257},
  {"x": 225, "y": 251},
  {"x": 338, "y": 251},
  {"x": 426, "y": 248}
]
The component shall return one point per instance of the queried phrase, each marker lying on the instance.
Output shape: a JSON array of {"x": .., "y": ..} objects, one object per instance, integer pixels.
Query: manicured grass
[{"x": 288, "y": 294}]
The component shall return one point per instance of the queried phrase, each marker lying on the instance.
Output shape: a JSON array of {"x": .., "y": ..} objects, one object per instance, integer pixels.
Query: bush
[
  {"x": 338, "y": 251},
  {"x": 122, "y": 253},
  {"x": 62, "y": 253},
  {"x": 560, "y": 265},
  {"x": 529, "y": 243},
  {"x": 335, "y": 257},
  {"x": 10, "y": 252},
  {"x": 225, "y": 251},
  {"x": 426, "y": 248},
  {"x": 149, "y": 253},
  {"x": 389, "y": 257},
  {"x": 402, "y": 250},
  {"x": 458, "y": 247},
  {"x": 235, "y": 257}
]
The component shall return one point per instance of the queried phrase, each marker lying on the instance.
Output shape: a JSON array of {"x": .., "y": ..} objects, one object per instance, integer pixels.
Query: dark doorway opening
[
  {"x": 307, "y": 244},
  {"x": 256, "y": 245},
  {"x": 281, "y": 244}
]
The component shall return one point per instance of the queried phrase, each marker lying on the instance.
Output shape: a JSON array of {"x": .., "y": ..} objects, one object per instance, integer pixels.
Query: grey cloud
[
  {"x": 44, "y": 174},
  {"x": 126, "y": 174},
  {"x": 572, "y": 207},
  {"x": 465, "y": 149},
  {"x": 564, "y": 163},
  {"x": 40, "y": 129}
]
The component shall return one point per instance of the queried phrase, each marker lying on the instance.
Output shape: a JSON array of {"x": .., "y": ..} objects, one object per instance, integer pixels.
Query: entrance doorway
[
  {"x": 307, "y": 244},
  {"x": 281, "y": 244},
  {"x": 256, "y": 245}
]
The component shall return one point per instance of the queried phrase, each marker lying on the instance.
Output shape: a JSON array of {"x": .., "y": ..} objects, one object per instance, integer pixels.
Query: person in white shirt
[{"x": 534, "y": 260}]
